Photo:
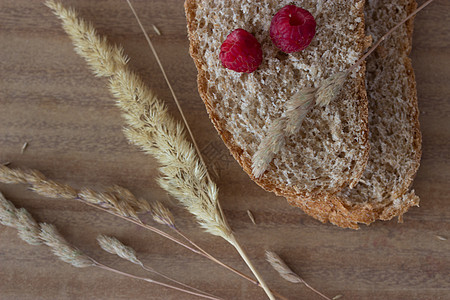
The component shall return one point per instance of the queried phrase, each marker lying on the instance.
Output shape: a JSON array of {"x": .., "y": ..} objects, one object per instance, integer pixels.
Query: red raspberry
[
  {"x": 292, "y": 29},
  {"x": 241, "y": 52}
]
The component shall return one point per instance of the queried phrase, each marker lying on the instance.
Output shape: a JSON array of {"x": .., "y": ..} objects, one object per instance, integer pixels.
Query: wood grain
[{"x": 50, "y": 99}]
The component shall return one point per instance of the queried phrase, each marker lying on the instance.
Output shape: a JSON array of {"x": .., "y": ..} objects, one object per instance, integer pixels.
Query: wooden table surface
[{"x": 50, "y": 99}]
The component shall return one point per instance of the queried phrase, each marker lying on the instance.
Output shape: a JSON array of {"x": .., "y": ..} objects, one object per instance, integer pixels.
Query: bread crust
[
  {"x": 237, "y": 152},
  {"x": 340, "y": 211}
]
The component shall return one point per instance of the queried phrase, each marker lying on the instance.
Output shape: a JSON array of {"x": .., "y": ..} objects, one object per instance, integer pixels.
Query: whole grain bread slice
[
  {"x": 331, "y": 150},
  {"x": 395, "y": 138}
]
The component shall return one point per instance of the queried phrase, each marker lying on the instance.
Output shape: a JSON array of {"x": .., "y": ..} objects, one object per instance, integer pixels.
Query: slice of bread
[
  {"x": 331, "y": 150},
  {"x": 395, "y": 139}
]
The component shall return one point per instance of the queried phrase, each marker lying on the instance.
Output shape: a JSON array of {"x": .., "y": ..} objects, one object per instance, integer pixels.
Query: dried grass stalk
[
  {"x": 8, "y": 214},
  {"x": 118, "y": 199},
  {"x": 162, "y": 214},
  {"x": 38, "y": 182},
  {"x": 35, "y": 234},
  {"x": 150, "y": 125},
  {"x": 250, "y": 215},
  {"x": 52, "y": 189},
  {"x": 297, "y": 108},
  {"x": 273, "y": 141},
  {"x": 440, "y": 237},
  {"x": 114, "y": 246},
  {"x": 183, "y": 175},
  {"x": 154, "y": 130},
  {"x": 62, "y": 249},
  {"x": 280, "y": 266},
  {"x": 108, "y": 200},
  {"x": 28, "y": 229},
  {"x": 156, "y": 29},
  {"x": 14, "y": 176},
  {"x": 290, "y": 122},
  {"x": 24, "y": 147},
  {"x": 283, "y": 269},
  {"x": 42, "y": 233},
  {"x": 138, "y": 204},
  {"x": 330, "y": 88},
  {"x": 169, "y": 85},
  {"x": 102, "y": 58}
]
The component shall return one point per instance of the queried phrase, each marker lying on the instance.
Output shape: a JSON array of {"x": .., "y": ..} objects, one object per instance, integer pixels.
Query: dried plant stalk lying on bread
[
  {"x": 395, "y": 138},
  {"x": 297, "y": 108},
  {"x": 331, "y": 148}
]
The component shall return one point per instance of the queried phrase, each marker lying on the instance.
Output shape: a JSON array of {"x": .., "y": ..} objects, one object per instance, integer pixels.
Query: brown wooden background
[{"x": 50, "y": 99}]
